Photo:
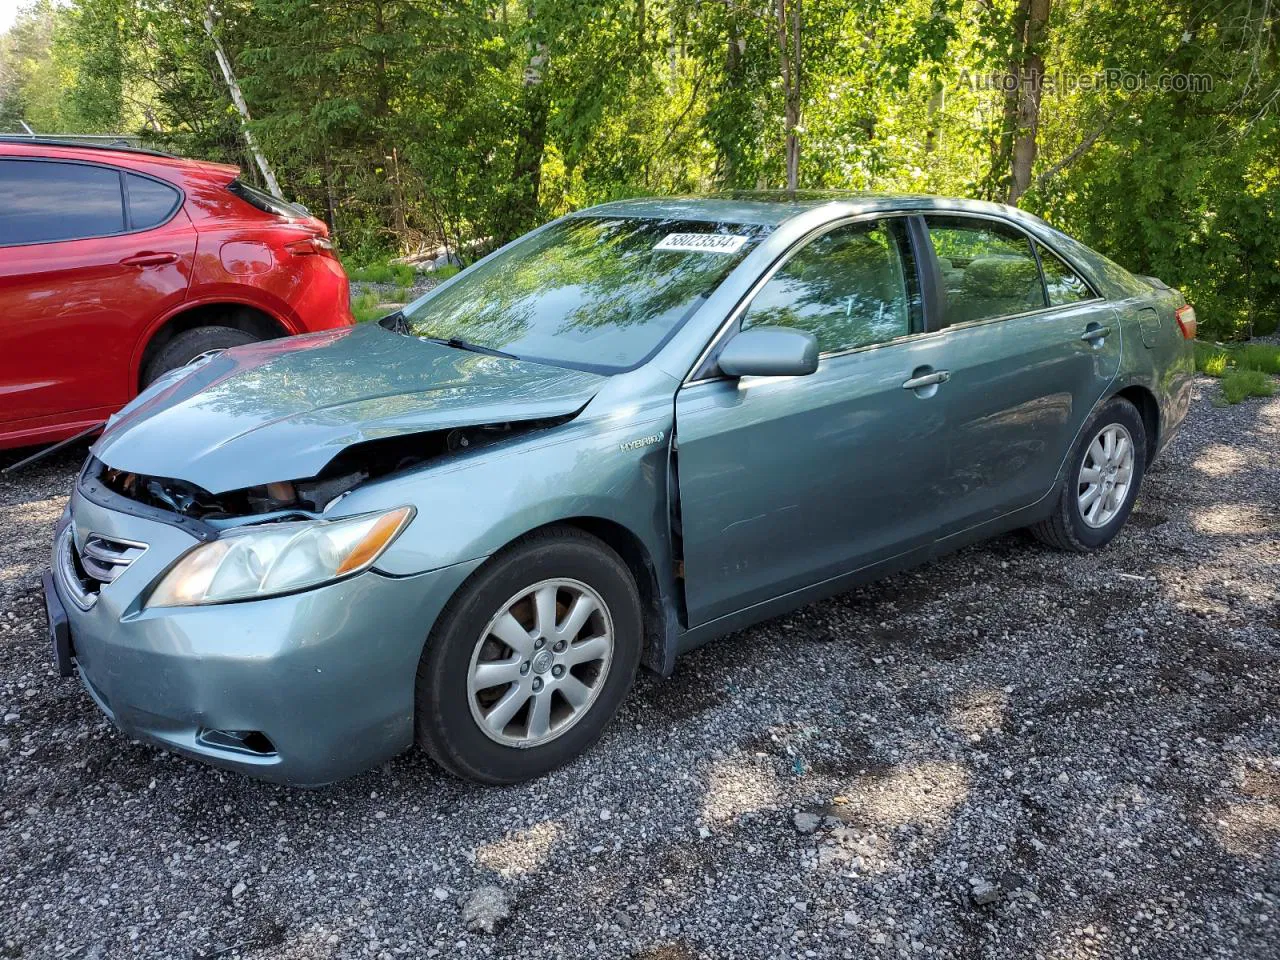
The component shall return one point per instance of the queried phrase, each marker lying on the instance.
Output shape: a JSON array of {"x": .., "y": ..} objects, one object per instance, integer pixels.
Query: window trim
[
  {"x": 1035, "y": 243},
  {"x": 122, "y": 182},
  {"x": 128, "y": 215},
  {"x": 701, "y": 371}
]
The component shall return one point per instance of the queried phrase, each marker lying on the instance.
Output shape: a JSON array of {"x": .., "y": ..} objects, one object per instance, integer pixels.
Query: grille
[
  {"x": 105, "y": 559},
  {"x": 100, "y": 562}
]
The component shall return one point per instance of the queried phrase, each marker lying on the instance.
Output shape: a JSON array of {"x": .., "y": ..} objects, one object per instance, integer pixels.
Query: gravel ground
[{"x": 1008, "y": 753}]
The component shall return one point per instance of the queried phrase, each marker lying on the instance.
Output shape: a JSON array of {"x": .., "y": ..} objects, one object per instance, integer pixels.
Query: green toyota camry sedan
[{"x": 630, "y": 431}]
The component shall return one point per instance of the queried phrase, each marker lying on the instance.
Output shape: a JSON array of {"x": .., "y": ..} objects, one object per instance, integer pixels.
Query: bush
[
  {"x": 1239, "y": 385},
  {"x": 1215, "y": 360},
  {"x": 366, "y": 307},
  {"x": 1211, "y": 360},
  {"x": 400, "y": 274},
  {"x": 1257, "y": 356}
]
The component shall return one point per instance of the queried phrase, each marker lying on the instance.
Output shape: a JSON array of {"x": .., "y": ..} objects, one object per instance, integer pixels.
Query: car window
[
  {"x": 45, "y": 201},
  {"x": 988, "y": 269},
  {"x": 1063, "y": 284},
  {"x": 151, "y": 203},
  {"x": 850, "y": 288}
]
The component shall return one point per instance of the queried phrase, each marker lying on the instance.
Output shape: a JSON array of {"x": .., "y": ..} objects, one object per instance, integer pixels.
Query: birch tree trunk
[{"x": 243, "y": 108}]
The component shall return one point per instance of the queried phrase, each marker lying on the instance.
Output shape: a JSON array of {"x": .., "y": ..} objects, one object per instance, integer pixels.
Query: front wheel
[
  {"x": 1104, "y": 474},
  {"x": 530, "y": 660}
]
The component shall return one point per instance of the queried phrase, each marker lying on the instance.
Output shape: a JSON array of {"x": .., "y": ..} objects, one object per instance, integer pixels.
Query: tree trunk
[
  {"x": 531, "y": 141},
  {"x": 997, "y": 187},
  {"x": 789, "y": 61},
  {"x": 1031, "y": 83},
  {"x": 733, "y": 82},
  {"x": 330, "y": 202},
  {"x": 937, "y": 104},
  {"x": 238, "y": 99}
]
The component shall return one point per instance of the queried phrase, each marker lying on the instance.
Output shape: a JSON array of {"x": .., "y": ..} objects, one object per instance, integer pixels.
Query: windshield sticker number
[{"x": 701, "y": 242}]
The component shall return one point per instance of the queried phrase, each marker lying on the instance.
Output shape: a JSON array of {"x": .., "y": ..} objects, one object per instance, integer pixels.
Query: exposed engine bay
[{"x": 357, "y": 464}]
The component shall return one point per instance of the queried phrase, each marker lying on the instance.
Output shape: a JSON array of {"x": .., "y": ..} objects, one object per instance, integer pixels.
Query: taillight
[
  {"x": 311, "y": 245},
  {"x": 1186, "y": 317}
]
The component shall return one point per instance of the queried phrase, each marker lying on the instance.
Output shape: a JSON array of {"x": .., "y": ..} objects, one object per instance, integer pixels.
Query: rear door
[
  {"x": 1030, "y": 347},
  {"x": 90, "y": 255},
  {"x": 788, "y": 481}
]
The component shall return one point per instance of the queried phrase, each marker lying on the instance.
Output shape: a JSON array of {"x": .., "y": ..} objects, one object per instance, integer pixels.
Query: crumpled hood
[{"x": 282, "y": 409}]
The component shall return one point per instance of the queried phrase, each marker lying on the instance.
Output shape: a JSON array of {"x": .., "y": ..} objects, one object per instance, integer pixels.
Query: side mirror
[{"x": 770, "y": 352}]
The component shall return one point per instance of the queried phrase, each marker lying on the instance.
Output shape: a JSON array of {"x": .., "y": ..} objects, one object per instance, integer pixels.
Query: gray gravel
[{"x": 1008, "y": 753}]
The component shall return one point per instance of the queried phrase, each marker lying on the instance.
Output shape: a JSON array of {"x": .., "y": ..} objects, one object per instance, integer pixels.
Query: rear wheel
[
  {"x": 530, "y": 660},
  {"x": 1105, "y": 472},
  {"x": 190, "y": 344}
]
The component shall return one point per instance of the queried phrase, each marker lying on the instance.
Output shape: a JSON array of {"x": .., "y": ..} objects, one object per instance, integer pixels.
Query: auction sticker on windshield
[{"x": 701, "y": 242}]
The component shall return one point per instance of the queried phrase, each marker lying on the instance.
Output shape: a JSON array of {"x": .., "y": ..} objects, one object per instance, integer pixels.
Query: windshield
[{"x": 599, "y": 294}]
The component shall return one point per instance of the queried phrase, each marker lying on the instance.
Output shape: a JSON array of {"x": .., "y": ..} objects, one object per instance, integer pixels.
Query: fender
[{"x": 277, "y": 309}]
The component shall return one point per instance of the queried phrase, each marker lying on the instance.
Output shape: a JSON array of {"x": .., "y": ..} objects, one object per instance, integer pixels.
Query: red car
[{"x": 117, "y": 265}]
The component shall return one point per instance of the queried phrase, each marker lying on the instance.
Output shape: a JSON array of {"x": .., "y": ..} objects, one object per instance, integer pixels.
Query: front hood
[{"x": 283, "y": 409}]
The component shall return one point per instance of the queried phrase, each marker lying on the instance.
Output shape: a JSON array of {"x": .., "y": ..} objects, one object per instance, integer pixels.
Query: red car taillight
[
  {"x": 309, "y": 246},
  {"x": 1186, "y": 317}
]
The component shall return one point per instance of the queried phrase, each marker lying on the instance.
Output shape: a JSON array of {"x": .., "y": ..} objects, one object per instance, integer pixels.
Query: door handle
[
  {"x": 1094, "y": 333},
  {"x": 927, "y": 380},
  {"x": 148, "y": 259}
]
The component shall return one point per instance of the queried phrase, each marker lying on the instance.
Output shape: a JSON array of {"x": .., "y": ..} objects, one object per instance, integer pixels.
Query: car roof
[
  {"x": 158, "y": 164},
  {"x": 771, "y": 208}
]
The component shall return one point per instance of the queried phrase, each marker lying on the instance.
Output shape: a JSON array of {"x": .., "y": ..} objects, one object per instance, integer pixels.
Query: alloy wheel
[
  {"x": 1105, "y": 475},
  {"x": 540, "y": 663}
]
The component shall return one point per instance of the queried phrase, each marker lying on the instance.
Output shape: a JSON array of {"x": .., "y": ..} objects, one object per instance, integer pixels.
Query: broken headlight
[{"x": 276, "y": 558}]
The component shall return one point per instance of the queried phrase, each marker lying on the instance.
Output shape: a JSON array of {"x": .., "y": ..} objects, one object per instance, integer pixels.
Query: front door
[
  {"x": 1030, "y": 349},
  {"x": 89, "y": 255},
  {"x": 786, "y": 482}
]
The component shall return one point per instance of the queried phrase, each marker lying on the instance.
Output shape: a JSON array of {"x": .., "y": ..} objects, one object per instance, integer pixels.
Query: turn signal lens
[
  {"x": 1186, "y": 317},
  {"x": 278, "y": 558}
]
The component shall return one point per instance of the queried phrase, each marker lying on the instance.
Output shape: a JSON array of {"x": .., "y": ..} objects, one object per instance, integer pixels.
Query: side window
[
  {"x": 150, "y": 203},
  {"x": 47, "y": 201},
  {"x": 1063, "y": 284},
  {"x": 988, "y": 270},
  {"x": 850, "y": 287}
]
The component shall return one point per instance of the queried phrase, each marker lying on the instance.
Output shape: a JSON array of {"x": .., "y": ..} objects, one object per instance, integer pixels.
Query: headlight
[{"x": 278, "y": 558}]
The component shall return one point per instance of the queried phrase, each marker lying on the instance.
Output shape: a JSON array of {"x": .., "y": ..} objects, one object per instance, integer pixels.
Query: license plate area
[{"x": 59, "y": 629}]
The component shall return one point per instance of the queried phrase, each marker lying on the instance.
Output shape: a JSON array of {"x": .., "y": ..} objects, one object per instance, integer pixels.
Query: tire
[
  {"x": 461, "y": 722},
  {"x": 188, "y": 345},
  {"x": 1070, "y": 527}
]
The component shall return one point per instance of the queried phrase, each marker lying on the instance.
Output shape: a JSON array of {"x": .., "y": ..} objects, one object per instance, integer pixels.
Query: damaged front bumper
[{"x": 302, "y": 689}]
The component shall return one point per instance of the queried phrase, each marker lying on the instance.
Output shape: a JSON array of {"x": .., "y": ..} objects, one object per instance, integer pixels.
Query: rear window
[
  {"x": 266, "y": 202},
  {"x": 46, "y": 201}
]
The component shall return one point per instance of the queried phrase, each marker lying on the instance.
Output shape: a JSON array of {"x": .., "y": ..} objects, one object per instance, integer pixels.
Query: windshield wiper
[{"x": 458, "y": 344}]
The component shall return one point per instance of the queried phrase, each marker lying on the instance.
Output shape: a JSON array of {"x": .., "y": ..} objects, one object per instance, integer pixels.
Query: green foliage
[
  {"x": 1215, "y": 360},
  {"x": 398, "y": 273},
  {"x": 1257, "y": 356},
  {"x": 1211, "y": 360},
  {"x": 413, "y": 123},
  {"x": 1239, "y": 385},
  {"x": 365, "y": 307}
]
